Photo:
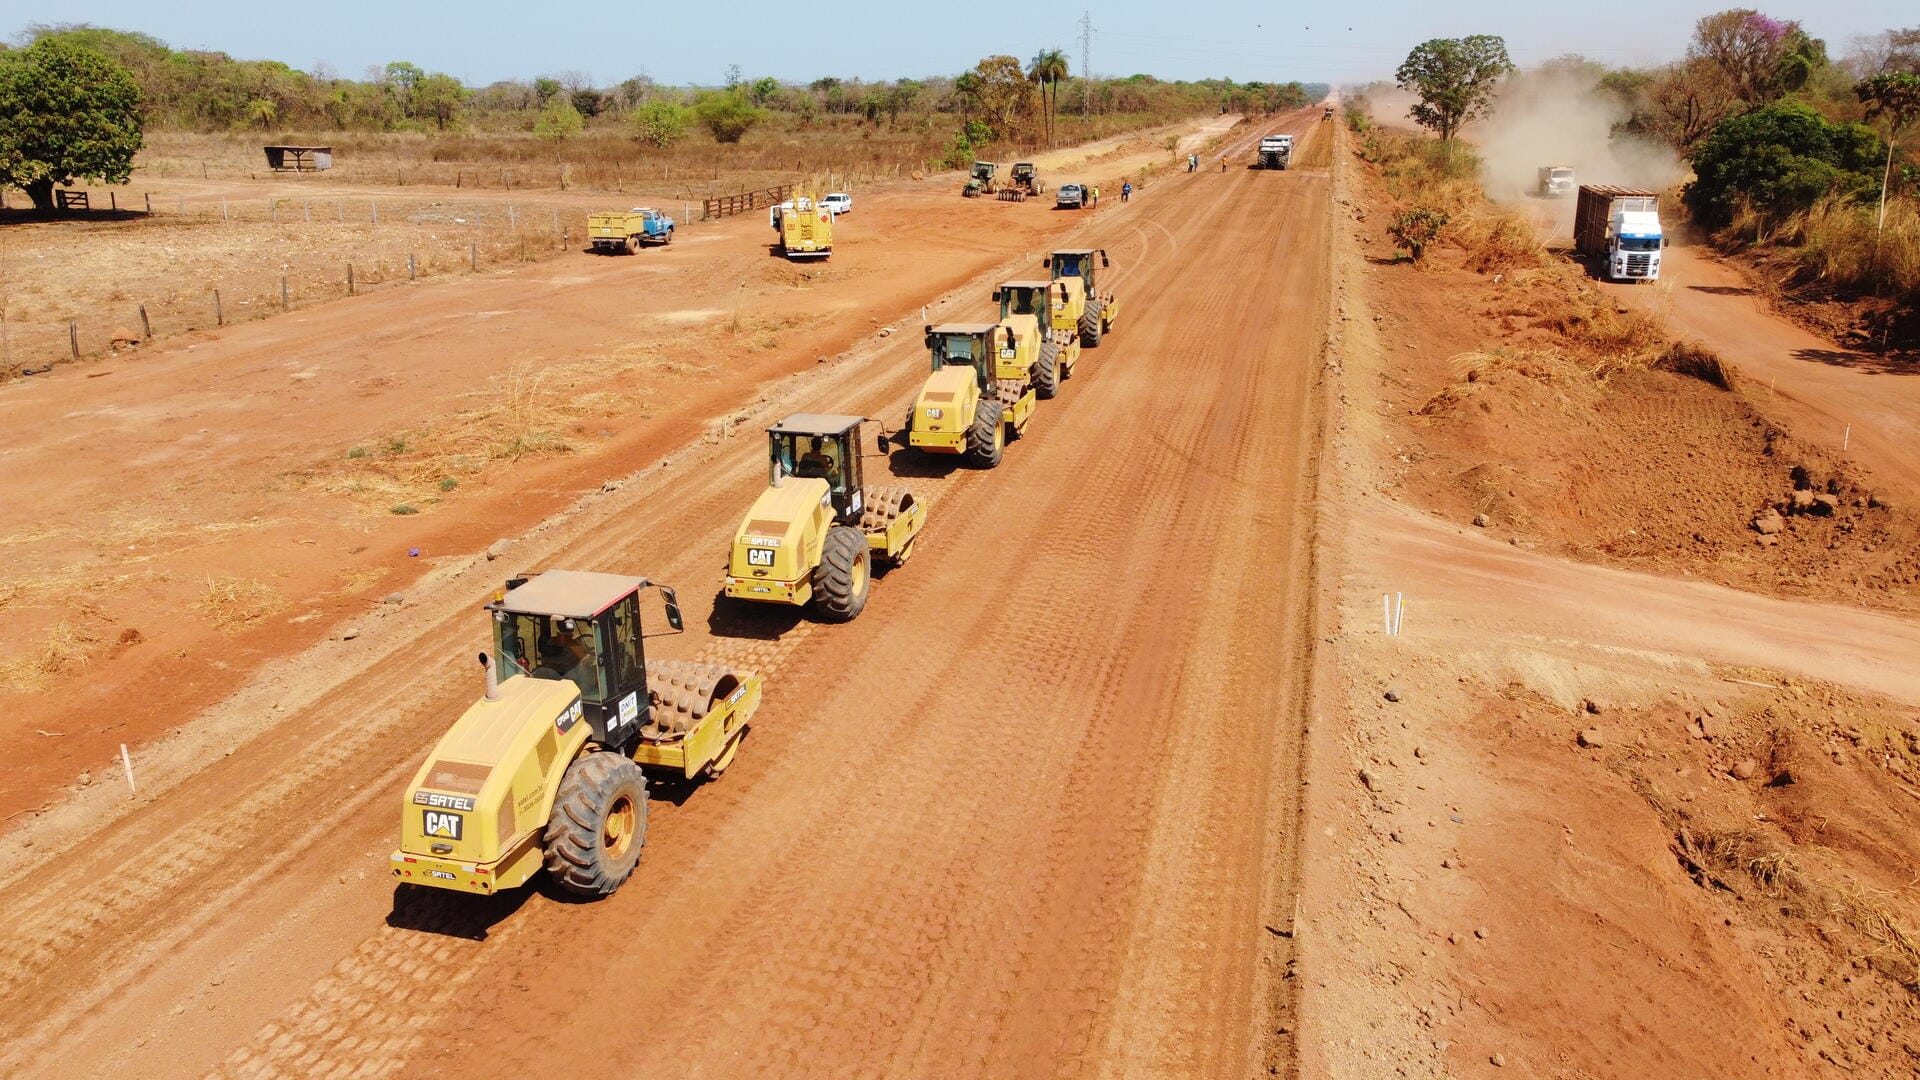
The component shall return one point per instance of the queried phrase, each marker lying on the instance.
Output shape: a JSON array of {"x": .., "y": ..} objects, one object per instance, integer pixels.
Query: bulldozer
[
  {"x": 1026, "y": 181},
  {"x": 1088, "y": 310},
  {"x": 980, "y": 180},
  {"x": 1042, "y": 308},
  {"x": 813, "y": 535},
  {"x": 549, "y": 768},
  {"x": 980, "y": 395}
]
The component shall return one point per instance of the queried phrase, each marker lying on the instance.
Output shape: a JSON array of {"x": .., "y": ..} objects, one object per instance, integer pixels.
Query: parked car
[
  {"x": 839, "y": 202},
  {"x": 1070, "y": 197}
]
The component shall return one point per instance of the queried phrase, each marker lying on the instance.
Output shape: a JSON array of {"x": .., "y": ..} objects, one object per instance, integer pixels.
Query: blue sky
[{"x": 484, "y": 40}]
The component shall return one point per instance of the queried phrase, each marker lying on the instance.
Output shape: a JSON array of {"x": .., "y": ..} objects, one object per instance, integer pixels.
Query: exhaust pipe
[{"x": 493, "y": 683}]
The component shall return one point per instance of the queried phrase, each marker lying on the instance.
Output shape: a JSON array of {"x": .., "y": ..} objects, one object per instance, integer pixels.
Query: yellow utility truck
[
  {"x": 813, "y": 535},
  {"x": 1041, "y": 308},
  {"x": 805, "y": 228},
  {"x": 547, "y": 768},
  {"x": 980, "y": 395},
  {"x": 1091, "y": 311}
]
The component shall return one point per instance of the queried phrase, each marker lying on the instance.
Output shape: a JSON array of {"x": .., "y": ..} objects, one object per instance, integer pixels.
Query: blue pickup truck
[{"x": 625, "y": 230}]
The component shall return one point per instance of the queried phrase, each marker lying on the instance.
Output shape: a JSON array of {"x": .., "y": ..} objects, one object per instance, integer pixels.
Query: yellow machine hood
[
  {"x": 768, "y": 542},
  {"x": 482, "y": 785}
]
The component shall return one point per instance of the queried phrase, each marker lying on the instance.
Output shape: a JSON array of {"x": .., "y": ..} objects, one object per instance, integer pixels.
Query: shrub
[
  {"x": 1416, "y": 228},
  {"x": 659, "y": 124},
  {"x": 559, "y": 121},
  {"x": 727, "y": 114}
]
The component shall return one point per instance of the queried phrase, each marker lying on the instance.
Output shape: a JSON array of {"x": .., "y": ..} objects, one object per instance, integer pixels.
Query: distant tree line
[{"x": 211, "y": 91}]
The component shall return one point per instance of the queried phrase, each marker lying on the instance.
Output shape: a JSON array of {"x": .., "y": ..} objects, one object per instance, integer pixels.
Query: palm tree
[{"x": 1049, "y": 68}]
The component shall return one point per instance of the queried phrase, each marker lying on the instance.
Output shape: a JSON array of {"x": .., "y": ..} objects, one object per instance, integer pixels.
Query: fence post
[
  {"x": 73, "y": 337},
  {"x": 223, "y": 208},
  {"x": 473, "y": 257},
  {"x": 413, "y": 272},
  {"x": 284, "y": 306},
  {"x": 113, "y": 202},
  {"x": 349, "y": 279},
  {"x": 339, "y": 212},
  {"x": 219, "y": 313},
  {"x": 149, "y": 202},
  {"x": 306, "y": 209},
  {"x": 146, "y": 328},
  {"x": 376, "y": 212},
  {"x": 273, "y": 210},
  {"x": 513, "y": 219}
]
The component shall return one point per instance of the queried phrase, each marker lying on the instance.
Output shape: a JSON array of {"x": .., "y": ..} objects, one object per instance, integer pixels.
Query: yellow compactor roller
[
  {"x": 1040, "y": 308},
  {"x": 812, "y": 536},
  {"x": 1087, "y": 310},
  {"x": 981, "y": 393},
  {"x": 547, "y": 769}
]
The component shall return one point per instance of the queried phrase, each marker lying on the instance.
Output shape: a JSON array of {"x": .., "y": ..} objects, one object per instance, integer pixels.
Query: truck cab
[
  {"x": 1276, "y": 151},
  {"x": 1556, "y": 181},
  {"x": 1617, "y": 230}
]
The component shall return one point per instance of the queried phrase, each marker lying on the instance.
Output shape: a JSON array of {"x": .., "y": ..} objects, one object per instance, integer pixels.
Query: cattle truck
[{"x": 1617, "y": 231}]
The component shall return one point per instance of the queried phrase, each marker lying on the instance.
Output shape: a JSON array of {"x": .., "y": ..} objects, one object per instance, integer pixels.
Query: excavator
[
  {"x": 549, "y": 768},
  {"x": 812, "y": 536},
  {"x": 980, "y": 395}
]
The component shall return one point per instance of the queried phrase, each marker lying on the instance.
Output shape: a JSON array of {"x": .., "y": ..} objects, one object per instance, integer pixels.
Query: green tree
[
  {"x": 727, "y": 114},
  {"x": 403, "y": 77},
  {"x": 544, "y": 88},
  {"x": 1001, "y": 85},
  {"x": 65, "y": 111},
  {"x": 262, "y": 111},
  {"x": 439, "y": 97},
  {"x": 559, "y": 121},
  {"x": 659, "y": 123},
  {"x": 1777, "y": 159},
  {"x": 1454, "y": 79}
]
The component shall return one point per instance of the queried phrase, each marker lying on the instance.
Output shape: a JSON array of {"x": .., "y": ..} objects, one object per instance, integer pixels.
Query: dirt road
[
  {"x": 315, "y": 462},
  {"x": 1826, "y": 394},
  {"x": 1027, "y": 816}
]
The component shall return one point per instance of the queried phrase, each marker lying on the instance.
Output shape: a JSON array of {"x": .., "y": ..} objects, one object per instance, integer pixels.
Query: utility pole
[{"x": 1086, "y": 62}]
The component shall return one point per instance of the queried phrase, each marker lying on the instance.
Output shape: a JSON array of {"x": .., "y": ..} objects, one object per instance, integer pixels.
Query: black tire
[
  {"x": 1046, "y": 371},
  {"x": 669, "y": 237},
  {"x": 633, "y": 245},
  {"x": 846, "y": 570},
  {"x": 1090, "y": 325},
  {"x": 598, "y": 791},
  {"x": 986, "y": 439}
]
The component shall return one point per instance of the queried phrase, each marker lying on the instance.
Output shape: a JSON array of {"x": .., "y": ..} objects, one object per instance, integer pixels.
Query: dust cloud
[{"x": 1563, "y": 118}]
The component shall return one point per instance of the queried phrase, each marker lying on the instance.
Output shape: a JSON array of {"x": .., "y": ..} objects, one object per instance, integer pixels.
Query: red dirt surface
[
  {"x": 1577, "y": 820},
  {"x": 996, "y": 826}
]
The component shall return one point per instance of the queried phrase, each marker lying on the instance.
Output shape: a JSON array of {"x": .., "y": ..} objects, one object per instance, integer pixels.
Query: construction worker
[
  {"x": 1193, "y": 162},
  {"x": 1126, "y": 191}
]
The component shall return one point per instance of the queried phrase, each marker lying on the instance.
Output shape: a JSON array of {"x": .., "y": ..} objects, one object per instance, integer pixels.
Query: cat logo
[{"x": 441, "y": 825}]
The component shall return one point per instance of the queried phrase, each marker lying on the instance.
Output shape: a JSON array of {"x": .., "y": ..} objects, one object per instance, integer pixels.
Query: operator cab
[
  {"x": 1030, "y": 298},
  {"x": 1076, "y": 262},
  {"x": 967, "y": 345},
  {"x": 584, "y": 628},
  {"x": 820, "y": 446}
]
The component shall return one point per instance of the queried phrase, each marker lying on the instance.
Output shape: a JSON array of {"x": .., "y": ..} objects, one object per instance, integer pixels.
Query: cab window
[
  {"x": 818, "y": 456},
  {"x": 622, "y": 629},
  {"x": 549, "y": 649}
]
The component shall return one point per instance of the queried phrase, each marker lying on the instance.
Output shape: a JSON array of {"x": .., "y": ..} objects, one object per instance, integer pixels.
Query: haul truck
[
  {"x": 1617, "y": 230},
  {"x": 617, "y": 231},
  {"x": 1276, "y": 151}
]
